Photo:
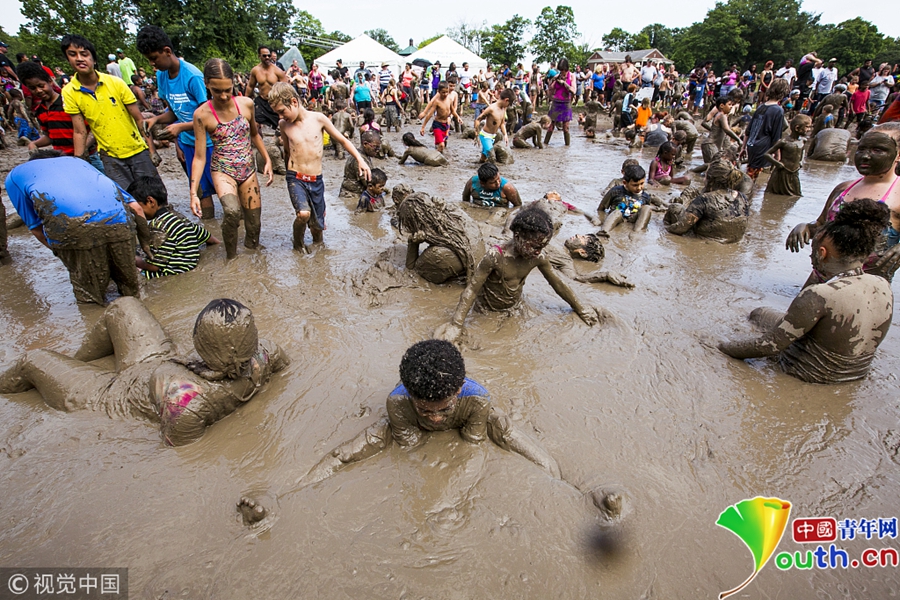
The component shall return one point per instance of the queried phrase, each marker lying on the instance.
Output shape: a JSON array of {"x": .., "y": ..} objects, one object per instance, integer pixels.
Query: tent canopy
[
  {"x": 449, "y": 51},
  {"x": 292, "y": 54},
  {"x": 363, "y": 49}
]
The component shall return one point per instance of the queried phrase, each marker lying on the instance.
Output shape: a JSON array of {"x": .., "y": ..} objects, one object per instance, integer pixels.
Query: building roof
[
  {"x": 408, "y": 50},
  {"x": 604, "y": 56}
]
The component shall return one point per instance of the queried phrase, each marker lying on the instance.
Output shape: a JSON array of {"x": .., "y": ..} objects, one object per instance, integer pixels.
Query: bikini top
[{"x": 836, "y": 206}]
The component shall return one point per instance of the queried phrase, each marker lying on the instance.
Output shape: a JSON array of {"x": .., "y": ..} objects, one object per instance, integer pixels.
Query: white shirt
[
  {"x": 825, "y": 80},
  {"x": 788, "y": 75},
  {"x": 465, "y": 77},
  {"x": 648, "y": 73}
]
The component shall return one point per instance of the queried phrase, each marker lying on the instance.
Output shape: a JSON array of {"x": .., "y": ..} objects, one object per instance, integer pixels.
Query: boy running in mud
[
  {"x": 491, "y": 122},
  {"x": 500, "y": 275},
  {"x": 301, "y": 136},
  {"x": 434, "y": 394},
  {"x": 442, "y": 106}
]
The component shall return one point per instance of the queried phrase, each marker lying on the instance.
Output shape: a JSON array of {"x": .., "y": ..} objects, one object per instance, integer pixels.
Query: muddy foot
[
  {"x": 251, "y": 512},
  {"x": 612, "y": 503}
]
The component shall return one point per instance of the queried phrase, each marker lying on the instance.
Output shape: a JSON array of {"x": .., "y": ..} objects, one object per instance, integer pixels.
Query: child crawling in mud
[
  {"x": 434, "y": 394},
  {"x": 301, "y": 137},
  {"x": 500, "y": 275},
  {"x": 150, "y": 380}
]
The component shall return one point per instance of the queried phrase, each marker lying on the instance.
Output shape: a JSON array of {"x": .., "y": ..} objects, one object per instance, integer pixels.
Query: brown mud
[{"x": 644, "y": 405}]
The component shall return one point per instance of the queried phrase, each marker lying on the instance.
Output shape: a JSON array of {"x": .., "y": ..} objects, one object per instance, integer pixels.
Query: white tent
[
  {"x": 449, "y": 51},
  {"x": 290, "y": 56},
  {"x": 363, "y": 49}
]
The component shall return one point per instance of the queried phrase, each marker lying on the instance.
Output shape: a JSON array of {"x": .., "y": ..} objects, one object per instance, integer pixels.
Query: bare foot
[
  {"x": 251, "y": 512},
  {"x": 612, "y": 503}
]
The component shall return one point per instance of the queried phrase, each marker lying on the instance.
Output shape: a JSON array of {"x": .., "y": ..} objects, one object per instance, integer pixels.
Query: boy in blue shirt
[
  {"x": 488, "y": 189},
  {"x": 175, "y": 241},
  {"x": 628, "y": 202},
  {"x": 181, "y": 86}
]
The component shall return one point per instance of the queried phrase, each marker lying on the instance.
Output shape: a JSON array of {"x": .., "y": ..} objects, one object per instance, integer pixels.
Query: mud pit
[{"x": 638, "y": 404}]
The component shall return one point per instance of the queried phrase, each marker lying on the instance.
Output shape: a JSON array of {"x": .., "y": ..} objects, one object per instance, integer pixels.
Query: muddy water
[{"x": 640, "y": 404}]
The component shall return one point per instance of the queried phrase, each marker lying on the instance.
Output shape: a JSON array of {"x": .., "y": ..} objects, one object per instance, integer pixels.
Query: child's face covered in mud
[
  {"x": 436, "y": 412},
  {"x": 530, "y": 245}
]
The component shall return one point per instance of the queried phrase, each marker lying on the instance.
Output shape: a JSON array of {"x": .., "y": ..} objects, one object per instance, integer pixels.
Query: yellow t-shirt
[{"x": 104, "y": 110}]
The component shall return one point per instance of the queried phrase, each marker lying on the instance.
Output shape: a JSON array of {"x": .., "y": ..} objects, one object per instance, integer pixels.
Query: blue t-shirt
[
  {"x": 469, "y": 388},
  {"x": 483, "y": 197},
  {"x": 598, "y": 81},
  {"x": 362, "y": 93},
  {"x": 184, "y": 94},
  {"x": 64, "y": 194}
]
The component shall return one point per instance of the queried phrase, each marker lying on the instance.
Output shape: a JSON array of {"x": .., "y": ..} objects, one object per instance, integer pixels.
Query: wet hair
[
  {"x": 628, "y": 162},
  {"x": 722, "y": 100},
  {"x": 857, "y": 227},
  {"x": 563, "y": 65},
  {"x": 508, "y": 94},
  {"x": 217, "y": 68},
  {"x": 666, "y": 147},
  {"x": 532, "y": 221},
  {"x": 152, "y": 39},
  {"x": 31, "y": 70},
  {"x": 679, "y": 136},
  {"x": 410, "y": 140},
  {"x": 721, "y": 174},
  {"x": 78, "y": 41},
  {"x": 45, "y": 153},
  {"x": 443, "y": 85},
  {"x": 594, "y": 250},
  {"x": 777, "y": 90},
  {"x": 487, "y": 171},
  {"x": 368, "y": 116},
  {"x": 282, "y": 93},
  {"x": 432, "y": 370},
  {"x": 146, "y": 187},
  {"x": 225, "y": 336},
  {"x": 828, "y": 108},
  {"x": 633, "y": 173},
  {"x": 801, "y": 121},
  {"x": 378, "y": 176},
  {"x": 544, "y": 120}
]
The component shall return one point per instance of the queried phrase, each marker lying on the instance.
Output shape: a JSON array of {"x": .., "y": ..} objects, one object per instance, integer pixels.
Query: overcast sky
[{"x": 406, "y": 19}]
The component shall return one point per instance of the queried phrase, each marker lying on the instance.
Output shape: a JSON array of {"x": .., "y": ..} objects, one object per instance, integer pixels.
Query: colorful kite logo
[{"x": 760, "y": 523}]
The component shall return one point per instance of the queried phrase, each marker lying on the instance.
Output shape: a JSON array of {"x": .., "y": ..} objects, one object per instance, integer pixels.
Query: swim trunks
[
  {"x": 307, "y": 193},
  {"x": 440, "y": 131},
  {"x": 487, "y": 142},
  {"x": 264, "y": 113}
]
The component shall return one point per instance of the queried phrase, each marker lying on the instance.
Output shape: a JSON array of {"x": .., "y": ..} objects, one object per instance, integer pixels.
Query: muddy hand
[
  {"x": 618, "y": 279},
  {"x": 798, "y": 238},
  {"x": 417, "y": 237},
  {"x": 156, "y": 159},
  {"x": 267, "y": 171},
  {"x": 449, "y": 332},
  {"x": 890, "y": 259}
]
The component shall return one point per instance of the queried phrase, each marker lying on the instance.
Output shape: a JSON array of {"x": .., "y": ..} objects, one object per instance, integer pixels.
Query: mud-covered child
[
  {"x": 628, "y": 202},
  {"x": 301, "y": 137},
  {"x": 175, "y": 241},
  {"x": 372, "y": 198}
]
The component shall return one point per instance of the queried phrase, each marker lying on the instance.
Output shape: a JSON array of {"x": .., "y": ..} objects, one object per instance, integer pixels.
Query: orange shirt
[{"x": 643, "y": 116}]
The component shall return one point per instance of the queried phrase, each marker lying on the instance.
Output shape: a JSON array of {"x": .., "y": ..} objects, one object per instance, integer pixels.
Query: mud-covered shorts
[{"x": 307, "y": 193}]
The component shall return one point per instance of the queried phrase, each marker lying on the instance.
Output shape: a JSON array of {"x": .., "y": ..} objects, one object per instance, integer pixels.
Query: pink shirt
[
  {"x": 560, "y": 92},
  {"x": 859, "y": 100}
]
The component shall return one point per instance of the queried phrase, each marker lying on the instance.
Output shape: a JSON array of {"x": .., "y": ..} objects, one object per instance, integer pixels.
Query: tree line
[{"x": 741, "y": 32}]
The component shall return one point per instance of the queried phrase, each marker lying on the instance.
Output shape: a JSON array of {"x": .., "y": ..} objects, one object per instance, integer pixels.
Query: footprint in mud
[{"x": 257, "y": 514}]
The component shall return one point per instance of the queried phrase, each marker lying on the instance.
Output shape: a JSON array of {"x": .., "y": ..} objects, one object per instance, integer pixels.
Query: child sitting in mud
[
  {"x": 500, "y": 275},
  {"x": 628, "y": 202},
  {"x": 719, "y": 212},
  {"x": 490, "y": 190},
  {"x": 620, "y": 180},
  {"x": 301, "y": 137},
  {"x": 372, "y": 198},
  {"x": 662, "y": 168},
  {"x": 174, "y": 241},
  {"x": 434, "y": 394},
  {"x": 150, "y": 380},
  {"x": 532, "y": 132}
]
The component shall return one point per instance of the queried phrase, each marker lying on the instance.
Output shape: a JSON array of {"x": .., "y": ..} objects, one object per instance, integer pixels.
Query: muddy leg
[
  {"x": 5, "y": 258},
  {"x": 251, "y": 207},
  {"x": 547, "y": 136},
  {"x": 65, "y": 383},
  {"x": 643, "y": 218},
  {"x": 127, "y": 329},
  {"x": 612, "y": 220},
  {"x": 207, "y": 208},
  {"x": 232, "y": 208},
  {"x": 566, "y": 132},
  {"x": 300, "y": 231},
  {"x": 88, "y": 272},
  {"x": 503, "y": 433},
  {"x": 765, "y": 317}
]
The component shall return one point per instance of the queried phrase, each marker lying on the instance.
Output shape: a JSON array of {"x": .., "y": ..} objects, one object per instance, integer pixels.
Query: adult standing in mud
[
  {"x": 181, "y": 86},
  {"x": 500, "y": 275},
  {"x": 106, "y": 105},
  {"x": 151, "y": 381},
  {"x": 832, "y": 329},
  {"x": 229, "y": 122},
  {"x": 876, "y": 160},
  {"x": 434, "y": 394},
  {"x": 264, "y": 76},
  {"x": 81, "y": 215}
]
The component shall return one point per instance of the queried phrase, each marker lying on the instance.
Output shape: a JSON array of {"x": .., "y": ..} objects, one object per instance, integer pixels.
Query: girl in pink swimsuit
[{"x": 230, "y": 122}]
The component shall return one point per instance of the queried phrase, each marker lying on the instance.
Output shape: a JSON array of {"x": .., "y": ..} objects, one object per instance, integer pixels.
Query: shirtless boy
[
  {"x": 491, "y": 122},
  {"x": 301, "y": 138},
  {"x": 264, "y": 75},
  {"x": 442, "y": 107}
]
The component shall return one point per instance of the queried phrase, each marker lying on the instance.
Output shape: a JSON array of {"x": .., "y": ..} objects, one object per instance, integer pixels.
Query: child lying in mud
[
  {"x": 150, "y": 381},
  {"x": 500, "y": 275},
  {"x": 434, "y": 394}
]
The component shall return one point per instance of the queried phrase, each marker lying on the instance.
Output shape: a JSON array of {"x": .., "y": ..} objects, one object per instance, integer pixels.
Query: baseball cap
[
  {"x": 832, "y": 60},
  {"x": 4, "y": 45},
  {"x": 112, "y": 57},
  {"x": 119, "y": 50}
]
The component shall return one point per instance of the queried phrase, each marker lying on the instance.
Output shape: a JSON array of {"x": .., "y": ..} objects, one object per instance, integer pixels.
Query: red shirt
[
  {"x": 859, "y": 101},
  {"x": 56, "y": 125}
]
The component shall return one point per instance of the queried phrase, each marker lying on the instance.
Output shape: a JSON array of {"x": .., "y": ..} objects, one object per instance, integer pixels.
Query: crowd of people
[{"x": 91, "y": 193}]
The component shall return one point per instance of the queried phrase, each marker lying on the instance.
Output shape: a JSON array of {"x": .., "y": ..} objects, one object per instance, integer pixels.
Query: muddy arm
[
  {"x": 805, "y": 311},
  {"x": 370, "y": 442},
  {"x": 686, "y": 221},
  {"x": 467, "y": 299},
  {"x": 565, "y": 292},
  {"x": 503, "y": 433}
]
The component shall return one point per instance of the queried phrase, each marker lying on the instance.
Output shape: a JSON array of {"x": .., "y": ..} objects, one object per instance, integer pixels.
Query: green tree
[
  {"x": 303, "y": 31},
  {"x": 719, "y": 37},
  {"x": 660, "y": 37},
  {"x": 617, "y": 40},
  {"x": 852, "y": 42},
  {"x": 771, "y": 29},
  {"x": 384, "y": 38},
  {"x": 506, "y": 43},
  {"x": 104, "y": 22},
  {"x": 276, "y": 22},
  {"x": 890, "y": 52},
  {"x": 555, "y": 32},
  {"x": 427, "y": 41},
  {"x": 470, "y": 35},
  {"x": 640, "y": 41}
]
